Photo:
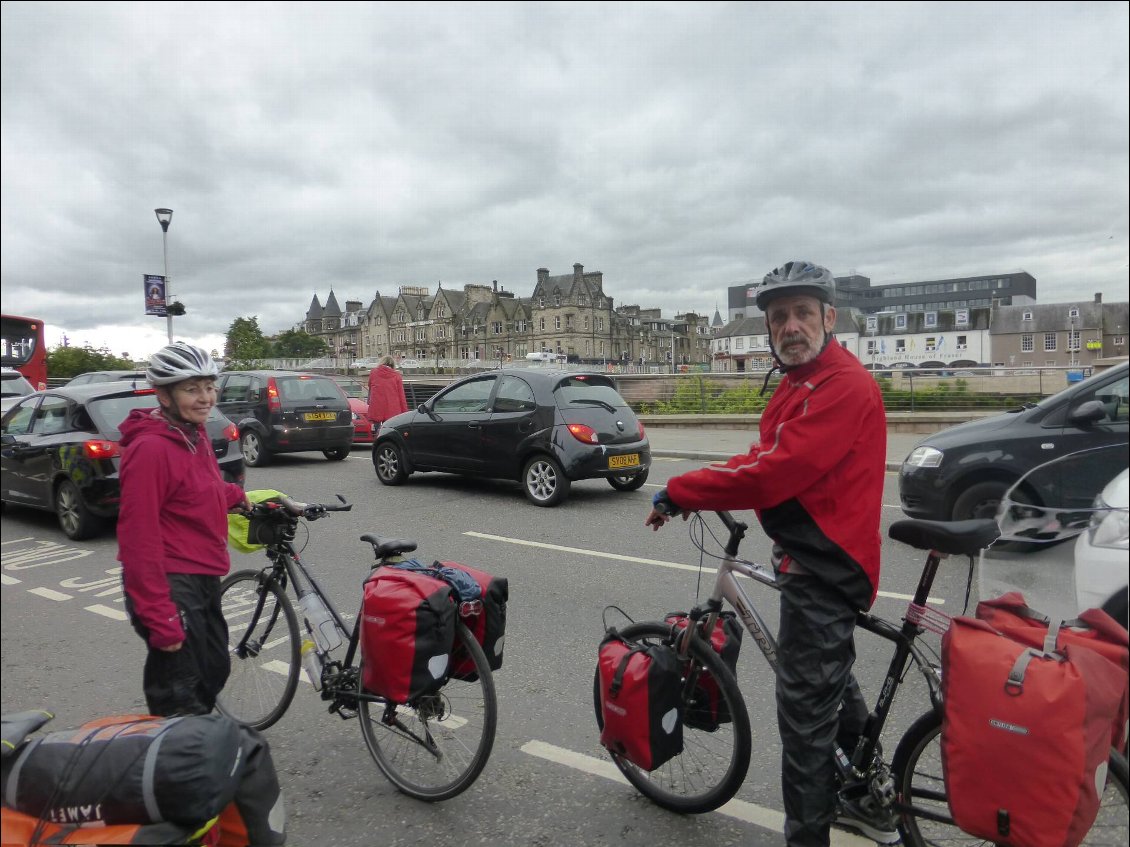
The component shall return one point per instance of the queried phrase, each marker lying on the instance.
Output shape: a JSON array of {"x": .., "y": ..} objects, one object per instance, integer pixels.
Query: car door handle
[{"x": 474, "y": 425}]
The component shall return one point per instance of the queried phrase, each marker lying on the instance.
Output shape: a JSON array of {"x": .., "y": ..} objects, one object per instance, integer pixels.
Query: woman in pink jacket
[
  {"x": 172, "y": 534},
  {"x": 386, "y": 392}
]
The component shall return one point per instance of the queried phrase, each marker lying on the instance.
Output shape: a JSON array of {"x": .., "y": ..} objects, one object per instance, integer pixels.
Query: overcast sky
[{"x": 678, "y": 148}]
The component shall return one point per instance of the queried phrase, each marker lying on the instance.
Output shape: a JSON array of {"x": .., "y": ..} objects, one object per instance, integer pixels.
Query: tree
[
  {"x": 245, "y": 344},
  {"x": 297, "y": 344},
  {"x": 65, "y": 362}
]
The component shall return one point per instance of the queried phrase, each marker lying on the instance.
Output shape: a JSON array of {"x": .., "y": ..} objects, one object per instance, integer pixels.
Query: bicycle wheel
[
  {"x": 264, "y": 646},
  {"x": 435, "y": 746},
  {"x": 713, "y": 764},
  {"x": 918, "y": 776}
]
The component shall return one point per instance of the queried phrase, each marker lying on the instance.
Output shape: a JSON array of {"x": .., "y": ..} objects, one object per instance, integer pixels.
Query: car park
[
  {"x": 357, "y": 392},
  {"x": 137, "y": 377},
  {"x": 286, "y": 412},
  {"x": 13, "y": 386},
  {"x": 59, "y": 451},
  {"x": 963, "y": 471},
  {"x": 546, "y": 428}
]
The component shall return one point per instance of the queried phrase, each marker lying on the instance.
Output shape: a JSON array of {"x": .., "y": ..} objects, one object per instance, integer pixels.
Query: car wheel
[
  {"x": 628, "y": 482},
  {"x": 1118, "y": 606},
  {"x": 76, "y": 521},
  {"x": 251, "y": 445},
  {"x": 388, "y": 462},
  {"x": 980, "y": 500},
  {"x": 336, "y": 455},
  {"x": 544, "y": 482}
]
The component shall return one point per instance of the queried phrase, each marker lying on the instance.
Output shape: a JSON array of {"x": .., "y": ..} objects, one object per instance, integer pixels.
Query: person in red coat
[
  {"x": 386, "y": 392},
  {"x": 816, "y": 480}
]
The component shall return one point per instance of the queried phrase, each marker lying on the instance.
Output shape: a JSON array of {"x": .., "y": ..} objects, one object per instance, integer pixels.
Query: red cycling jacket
[
  {"x": 173, "y": 517},
  {"x": 816, "y": 477}
]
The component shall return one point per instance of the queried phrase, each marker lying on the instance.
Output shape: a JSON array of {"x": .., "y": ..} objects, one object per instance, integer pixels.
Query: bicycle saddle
[
  {"x": 964, "y": 537},
  {"x": 385, "y": 547}
]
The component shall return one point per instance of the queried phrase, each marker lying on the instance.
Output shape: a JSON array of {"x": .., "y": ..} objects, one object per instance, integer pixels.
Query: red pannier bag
[
  {"x": 640, "y": 699},
  {"x": 485, "y": 620},
  {"x": 1025, "y": 734},
  {"x": 708, "y": 710},
  {"x": 407, "y": 632},
  {"x": 1094, "y": 629}
]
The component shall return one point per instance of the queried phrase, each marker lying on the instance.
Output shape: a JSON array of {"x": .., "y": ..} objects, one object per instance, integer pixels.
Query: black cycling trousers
[
  {"x": 815, "y": 693},
  {"x": 186, "y": 681}
]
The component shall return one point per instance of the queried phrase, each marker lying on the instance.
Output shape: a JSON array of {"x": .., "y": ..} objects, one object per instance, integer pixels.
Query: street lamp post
[{"x": 165, "y": 217}]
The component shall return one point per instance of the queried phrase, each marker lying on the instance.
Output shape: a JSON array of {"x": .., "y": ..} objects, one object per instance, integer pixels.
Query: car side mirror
[
  {"x": 1087, "y": 413},
  {"x": 7, "y": 440}
]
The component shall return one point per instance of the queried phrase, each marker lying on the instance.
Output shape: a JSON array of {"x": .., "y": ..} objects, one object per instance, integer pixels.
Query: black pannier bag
[{"x": 707, "y": 709}]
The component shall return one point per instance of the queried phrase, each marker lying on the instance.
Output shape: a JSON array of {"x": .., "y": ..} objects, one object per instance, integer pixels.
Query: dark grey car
[
  {"x": 286, "y": 412},
  {"x": 962, "y": 472},
  {"x": 545, "y": 428}
]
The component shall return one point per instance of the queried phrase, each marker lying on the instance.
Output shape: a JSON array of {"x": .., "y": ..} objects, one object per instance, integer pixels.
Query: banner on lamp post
[{"x": 154, "y": 288}]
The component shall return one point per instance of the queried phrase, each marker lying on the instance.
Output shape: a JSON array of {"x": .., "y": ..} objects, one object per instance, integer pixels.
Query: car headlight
[
  {"x": 924, "y": 457},
  {"x": 1110, "y": 527},
  {"x": 356, "y": 416}
]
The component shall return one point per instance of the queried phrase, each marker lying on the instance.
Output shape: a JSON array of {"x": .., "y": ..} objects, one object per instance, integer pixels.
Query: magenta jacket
[
  {"x": 172, "y": 519},
  {"x": 386, "y": 394}
]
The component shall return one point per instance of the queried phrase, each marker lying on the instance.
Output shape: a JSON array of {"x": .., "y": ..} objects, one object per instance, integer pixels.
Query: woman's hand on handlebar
[{"x": 662, "y": 510}]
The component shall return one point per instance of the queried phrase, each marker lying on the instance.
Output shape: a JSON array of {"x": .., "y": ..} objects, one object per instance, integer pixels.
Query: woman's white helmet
[{"x": 177, "y": 362}]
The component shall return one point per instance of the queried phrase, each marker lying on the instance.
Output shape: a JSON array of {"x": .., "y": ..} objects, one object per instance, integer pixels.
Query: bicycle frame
[{"x": 917, "y": 620}]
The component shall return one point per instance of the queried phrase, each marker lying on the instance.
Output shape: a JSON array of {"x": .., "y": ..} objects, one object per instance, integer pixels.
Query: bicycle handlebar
[{"x": 309, "y": 511}]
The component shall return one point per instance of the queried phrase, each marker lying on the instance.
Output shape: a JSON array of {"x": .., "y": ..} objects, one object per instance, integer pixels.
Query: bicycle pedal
[{"x": 344, "y": 712}]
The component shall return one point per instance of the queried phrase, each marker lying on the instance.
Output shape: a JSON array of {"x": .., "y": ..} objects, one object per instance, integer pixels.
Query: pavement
[{"x": 710, "y": 445}]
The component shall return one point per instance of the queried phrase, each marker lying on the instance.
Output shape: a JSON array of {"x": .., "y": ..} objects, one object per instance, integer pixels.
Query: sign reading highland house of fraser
[{"x": 154, "y": 288}]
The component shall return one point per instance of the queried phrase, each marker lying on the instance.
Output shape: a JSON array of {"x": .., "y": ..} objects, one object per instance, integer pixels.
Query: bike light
[
  {"x": 924, "y": 457},
  {"x": 584, "y": 433},
  {"x": 98, "y": 448}
]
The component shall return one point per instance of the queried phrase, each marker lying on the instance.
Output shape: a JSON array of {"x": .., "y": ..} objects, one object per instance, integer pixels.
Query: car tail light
[
  {"x": 642, "y": 436},
  {"x": 584, "y": 433},
  {"x": 231, "y": 432},
  {"x": 274, "y": 404},
  {"x": 97, "y": 448}
]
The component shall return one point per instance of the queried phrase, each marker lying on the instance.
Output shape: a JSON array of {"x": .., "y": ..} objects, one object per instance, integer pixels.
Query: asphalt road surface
[{"x": 68, "y": 648}]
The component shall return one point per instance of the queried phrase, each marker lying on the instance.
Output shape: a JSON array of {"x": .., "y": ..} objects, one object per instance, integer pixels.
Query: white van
[{"x": 546, "y": 357}]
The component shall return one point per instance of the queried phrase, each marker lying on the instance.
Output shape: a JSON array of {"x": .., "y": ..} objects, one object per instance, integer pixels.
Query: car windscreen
[
  {"x": 588, "y": 390},
  {"x": 318, "y": 389},
  {"x": 353, "y": 389}
]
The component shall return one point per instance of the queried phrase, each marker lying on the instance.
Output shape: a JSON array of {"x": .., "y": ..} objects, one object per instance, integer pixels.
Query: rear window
[
  {"x": 107, "y": 413},
  {"x": 591, "y": 390},
  {"x": 312, "y": 389},
  {"x": 14, "y": 385}
]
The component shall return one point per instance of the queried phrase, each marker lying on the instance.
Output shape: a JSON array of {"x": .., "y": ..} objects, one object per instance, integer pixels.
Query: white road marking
[
  {"x": 50, "y": 594},
  {"x": 640, "y": 561},
  {"x": 738, "y": 809},
  {"x": 107, "y": 612},
  {"x": 8, "y": 580},
  {"x": 277, "y": 666}
]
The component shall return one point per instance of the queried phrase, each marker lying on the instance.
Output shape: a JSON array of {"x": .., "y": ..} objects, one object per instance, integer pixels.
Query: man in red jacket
[
  {"x": 816, "y": 482},
  {"x": 172, "y": 534}
]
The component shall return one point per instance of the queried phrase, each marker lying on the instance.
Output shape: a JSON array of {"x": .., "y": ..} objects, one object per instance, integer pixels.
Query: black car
[
  {"x": 286, "y": 412},
  {"x": 59, "y": 451},
  {"x": 962, "y": 472},
  {"x": 545, "y": 428}
]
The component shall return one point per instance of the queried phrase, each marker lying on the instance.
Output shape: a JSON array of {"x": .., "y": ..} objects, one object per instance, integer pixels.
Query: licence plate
[
  {"x": 629, "y": 460},
  {"x": 321, "y": 416}
]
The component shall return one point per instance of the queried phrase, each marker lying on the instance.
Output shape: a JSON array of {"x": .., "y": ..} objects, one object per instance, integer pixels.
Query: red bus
[{"x": 24, "y": 349}]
